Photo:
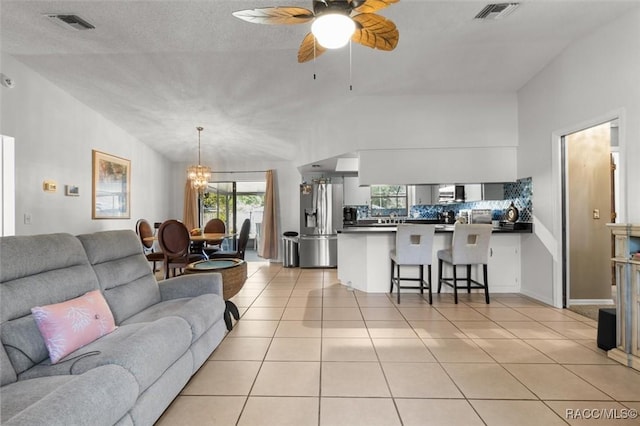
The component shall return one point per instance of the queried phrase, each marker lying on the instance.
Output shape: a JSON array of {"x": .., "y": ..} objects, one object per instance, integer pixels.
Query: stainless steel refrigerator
[{"x": 320, "y": 218}]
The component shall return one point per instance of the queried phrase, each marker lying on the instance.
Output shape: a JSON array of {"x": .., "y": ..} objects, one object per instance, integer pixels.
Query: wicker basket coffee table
[{"x": 234, "y": 274}]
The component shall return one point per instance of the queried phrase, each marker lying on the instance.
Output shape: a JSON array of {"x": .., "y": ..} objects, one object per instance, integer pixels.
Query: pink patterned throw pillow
[{"x": 70, "y": 325}]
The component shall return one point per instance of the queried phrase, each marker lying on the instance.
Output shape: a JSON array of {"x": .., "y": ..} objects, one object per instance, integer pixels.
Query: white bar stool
[
  {"x": 469, "y": 246},
  {"x": 414, "y": 246}
]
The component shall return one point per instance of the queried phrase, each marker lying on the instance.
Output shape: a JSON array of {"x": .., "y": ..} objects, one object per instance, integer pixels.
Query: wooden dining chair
[
  {"x": 214, "y": 226},
  {"x": 144, "y": 231},
  {"x": 174, "y": 240}
]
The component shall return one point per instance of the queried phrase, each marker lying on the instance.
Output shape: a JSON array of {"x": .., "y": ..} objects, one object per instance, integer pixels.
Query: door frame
[
  {"x": 560, "y": 201},
  {"x": 231, "y": 226},
  {"x": 7, "y": 186}
]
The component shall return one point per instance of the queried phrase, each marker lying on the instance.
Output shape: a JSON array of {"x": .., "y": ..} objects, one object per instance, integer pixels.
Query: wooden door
[{"x": 588, "y": 211}]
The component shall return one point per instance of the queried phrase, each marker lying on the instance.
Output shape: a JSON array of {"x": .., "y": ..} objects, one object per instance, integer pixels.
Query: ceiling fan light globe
[{"x": 333, "y": 30}]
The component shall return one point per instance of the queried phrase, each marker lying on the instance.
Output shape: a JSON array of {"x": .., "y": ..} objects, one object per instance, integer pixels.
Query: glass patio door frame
[{"x": 228, "y": 196}]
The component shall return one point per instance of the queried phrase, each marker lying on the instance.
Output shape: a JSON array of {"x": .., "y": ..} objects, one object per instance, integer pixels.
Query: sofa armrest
[{"x": 191, "y": 286}]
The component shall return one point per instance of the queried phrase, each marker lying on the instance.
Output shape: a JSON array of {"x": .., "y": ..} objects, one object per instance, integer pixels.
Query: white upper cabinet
[
  {"x": 473, "y": 192},
  {"x": 354, "y": 194},
  {"x": 493, "y": 191}
]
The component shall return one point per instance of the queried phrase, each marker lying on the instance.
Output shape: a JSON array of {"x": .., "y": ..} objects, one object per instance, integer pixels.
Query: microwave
[{"x": 451, "y": 193}]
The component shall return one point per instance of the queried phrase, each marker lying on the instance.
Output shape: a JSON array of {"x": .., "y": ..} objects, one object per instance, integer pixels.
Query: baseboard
[
  {"x": 537, "y": 297},
  {"x": 591, "y": 302}
]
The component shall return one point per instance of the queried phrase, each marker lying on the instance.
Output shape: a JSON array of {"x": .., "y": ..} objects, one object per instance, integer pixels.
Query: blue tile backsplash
[{"x": 519, "y": 192}]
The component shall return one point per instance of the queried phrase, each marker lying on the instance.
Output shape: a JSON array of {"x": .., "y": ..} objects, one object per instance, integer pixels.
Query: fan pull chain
[
  {"x": 314, "y": 57},
  {"x": 350, "y": 68}
]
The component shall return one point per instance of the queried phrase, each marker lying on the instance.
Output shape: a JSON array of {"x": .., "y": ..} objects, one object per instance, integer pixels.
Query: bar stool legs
[
  {"x": 469, "y": 246},
  {"x": 414, "y": 245},
  {"x": 395, "y": 280},
  {"x": 471, "y": 283},
  {"x": 486, "y": 283}
]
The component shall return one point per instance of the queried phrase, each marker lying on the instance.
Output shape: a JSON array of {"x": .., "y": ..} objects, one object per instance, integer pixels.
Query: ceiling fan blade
[
  {"x": 309, "y": 49},
  {"x": 375, "y": 31},
  {"x": 275, "y": 15},
  {"x": 370, "y": 6}
]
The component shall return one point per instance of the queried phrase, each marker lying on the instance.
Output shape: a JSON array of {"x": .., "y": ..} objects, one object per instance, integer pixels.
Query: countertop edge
[{"x": 391, "y": 229}]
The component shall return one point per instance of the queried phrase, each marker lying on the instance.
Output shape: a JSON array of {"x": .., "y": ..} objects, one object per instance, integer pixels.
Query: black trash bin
[
  {"x": 290, "y": 245},
  {"x": 606, "y": 328}
]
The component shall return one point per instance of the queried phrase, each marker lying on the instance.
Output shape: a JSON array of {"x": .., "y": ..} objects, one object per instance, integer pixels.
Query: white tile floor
[{"x": 309, "y": 352}]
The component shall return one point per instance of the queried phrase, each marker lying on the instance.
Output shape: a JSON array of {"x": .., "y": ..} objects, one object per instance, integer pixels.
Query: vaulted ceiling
[{"x": 160, "y": 68}]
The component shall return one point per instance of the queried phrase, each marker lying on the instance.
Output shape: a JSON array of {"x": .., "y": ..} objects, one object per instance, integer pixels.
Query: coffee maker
[
  {"x": 349, "y": 216},
  {"x": 447, "y": 216}
]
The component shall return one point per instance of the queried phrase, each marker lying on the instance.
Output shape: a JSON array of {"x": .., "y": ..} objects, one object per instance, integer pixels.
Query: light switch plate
[
  {"x": 596, "y": 213},
  {"x": 49, "y": 186}
]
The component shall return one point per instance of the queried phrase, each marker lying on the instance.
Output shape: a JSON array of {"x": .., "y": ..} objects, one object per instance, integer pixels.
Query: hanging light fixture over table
[{"x": 199, "y": 175}]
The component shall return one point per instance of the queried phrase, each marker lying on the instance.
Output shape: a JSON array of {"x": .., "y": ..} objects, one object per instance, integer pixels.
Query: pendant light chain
[{"x": 200, "y": 129}]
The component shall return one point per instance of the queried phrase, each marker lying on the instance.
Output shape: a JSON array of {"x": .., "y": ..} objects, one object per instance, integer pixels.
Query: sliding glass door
[{"x": 233, "y": 202}]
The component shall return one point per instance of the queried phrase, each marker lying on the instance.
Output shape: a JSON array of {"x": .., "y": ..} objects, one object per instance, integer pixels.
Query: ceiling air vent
[
  {"x": 496, "y": 11},
  {"x": 73, "y": 22}
]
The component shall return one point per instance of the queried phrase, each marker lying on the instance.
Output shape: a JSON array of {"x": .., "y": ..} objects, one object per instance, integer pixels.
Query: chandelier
[{"x": 199, "y": 175}]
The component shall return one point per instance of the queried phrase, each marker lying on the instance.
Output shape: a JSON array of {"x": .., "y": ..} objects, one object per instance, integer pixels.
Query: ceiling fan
[{"x": 335, "y": 22}]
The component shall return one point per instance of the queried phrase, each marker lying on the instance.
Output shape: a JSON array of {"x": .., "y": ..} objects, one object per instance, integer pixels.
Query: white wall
[
  {"x": 402, "y": 122},
  {"x": 437, "y": 165},
  {"x": 54, "y": 136},
  {"x": 594, "y": 79}
]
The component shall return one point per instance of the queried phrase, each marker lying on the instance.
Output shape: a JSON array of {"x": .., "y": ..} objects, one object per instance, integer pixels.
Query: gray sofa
[{"x": 166, "y": 331}]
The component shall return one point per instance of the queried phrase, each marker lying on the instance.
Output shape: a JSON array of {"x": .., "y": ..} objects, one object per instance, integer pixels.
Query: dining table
[{"x": 208, "y": 237}]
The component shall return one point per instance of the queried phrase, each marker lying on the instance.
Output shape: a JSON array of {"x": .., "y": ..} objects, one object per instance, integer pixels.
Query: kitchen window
[{"x": 387, "y": 200}]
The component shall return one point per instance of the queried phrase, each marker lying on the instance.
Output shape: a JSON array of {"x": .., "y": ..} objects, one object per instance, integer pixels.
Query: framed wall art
[
  {"x": 111, "y": 187},
  {"x": 71, "y": 191}
]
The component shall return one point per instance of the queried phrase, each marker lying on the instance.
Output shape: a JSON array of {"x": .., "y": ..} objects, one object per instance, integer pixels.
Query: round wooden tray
[{"x": 233, "y": 271}]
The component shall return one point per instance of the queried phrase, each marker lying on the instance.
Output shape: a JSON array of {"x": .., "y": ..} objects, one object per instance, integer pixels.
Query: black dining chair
[{"x": 243, "y": 239}]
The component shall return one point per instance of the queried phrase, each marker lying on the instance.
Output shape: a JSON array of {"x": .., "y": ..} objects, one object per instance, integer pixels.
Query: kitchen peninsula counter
[
  {"x": 364, "y": 263},
  {"x": 440, "y": 228}
]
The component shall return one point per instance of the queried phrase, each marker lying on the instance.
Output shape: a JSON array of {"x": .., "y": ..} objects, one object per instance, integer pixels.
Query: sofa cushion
[
  {"x": 124, "y": 275},
  {"x": 33, "y": 254},
  {"x": 7, "y": 373},
  {"x": 200, "y": 312},
  {"x": 37, "y": 270},
  {"x": 146, "y": 350},
  {"x": 101, "y": 396},
  {"x": 70, "y": 325}
]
